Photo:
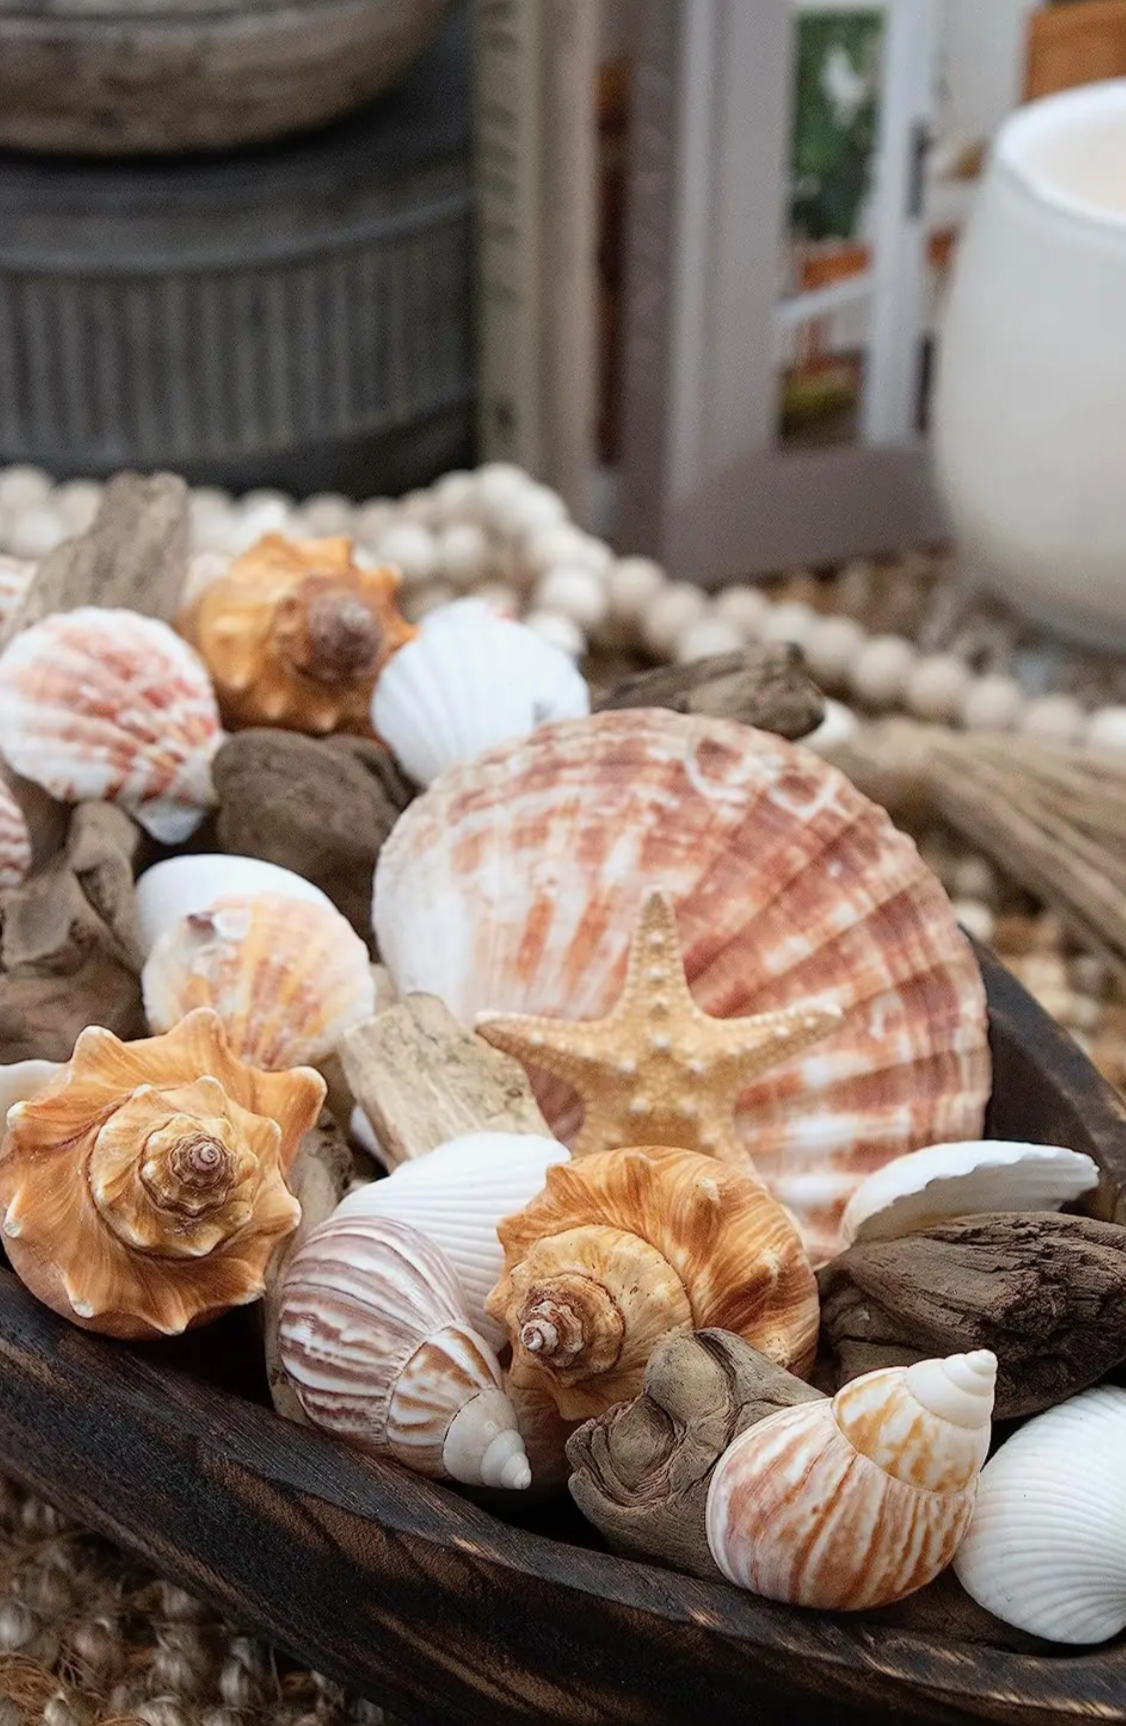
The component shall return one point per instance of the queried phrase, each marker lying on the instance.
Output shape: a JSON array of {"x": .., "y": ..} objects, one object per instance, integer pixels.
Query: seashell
[
  {"x": 967, "y": 1179},
  {"x": 456, "y": 1195},
  {"x": 545, "y": 1434},
  {"x": 22, "y": 1080},
  {"x": 375, "y": 1337},
  {"x": 1045, "y": 1549},
  {"x": 515, "y": 883},
  {"x": 139, "y": 1198},
  {"x": 98, "y": 704},
  {"x": 16, "y": 574},
  {"x": 472, "y": 679},
  {"x": 15, "y": 841},
  {"x": 296, "y": 633},
  {"x": 181, "y": 886},
  {"x": 622, "y": 1247},
  {"x": 861, "y": 1500},
  {"x": 286, "y": 976}
]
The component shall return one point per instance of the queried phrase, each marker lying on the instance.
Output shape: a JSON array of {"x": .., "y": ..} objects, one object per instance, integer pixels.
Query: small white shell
[
  {"x": 181, "y": 886},
  {"x": 15, "y": 841},
  {"x": 470, "y": 680},
  {"x": 1046, "y": 1546},
  {"x": 455, "y": 1195},
  {"x": 964, "y": 1179}
]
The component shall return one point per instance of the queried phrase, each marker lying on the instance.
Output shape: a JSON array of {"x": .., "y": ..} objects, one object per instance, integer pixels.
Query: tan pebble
[
  {"x": 326, "y": 514},
  {"x": 974, "y": 877},
  {"x": 936, "y": 687},
  {"x": 34, "y": 533},
  {"x": 790, "y": 622},
  {"x": 78, "y": 503},
  {"x": 463, "y": 553},
  {"x": 23, "y": 487},
  {"x": 993, "y": 702},
  {"x": 1014, "y": 934},
  {"x": 831, "y": 647},
  {"x": 411, "y": 548},
  {"x": 575, "y": 591},
  {"x": 878, "y": 675},
  {"x": 1054, "y": 718},
  {"x": 744, "y": 606},
  {"x": 632, "y": 583},
  {"x": 373, "y": 519},
  {"x": 670, "y": 615},
  {"x": 1106, "y": 729}
]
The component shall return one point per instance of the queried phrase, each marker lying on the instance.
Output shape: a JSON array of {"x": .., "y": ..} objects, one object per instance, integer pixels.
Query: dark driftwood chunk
[
  {"x": 767, "y": 687},
  {"x": 1046, "y": 1293},
  {"x": 321, "y": 807},
  {"x": 641, "y": 1471}
]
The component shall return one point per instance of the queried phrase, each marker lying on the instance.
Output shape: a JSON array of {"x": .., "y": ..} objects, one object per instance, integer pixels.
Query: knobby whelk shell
[{"x": 139, "y": 1198}]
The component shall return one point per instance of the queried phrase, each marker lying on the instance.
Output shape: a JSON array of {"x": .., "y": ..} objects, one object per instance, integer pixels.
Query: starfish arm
[
  {"x": 566, "y": 1048},
  {"x": 751, "y": 1047}
]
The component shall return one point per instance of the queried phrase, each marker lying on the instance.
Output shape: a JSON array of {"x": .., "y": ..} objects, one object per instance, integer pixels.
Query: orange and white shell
[
  {"x": 856, "y": 1502},
  {"x": 376, "y": 1341},
  {"x": 15, "y": 841},
  {"x": 98, "y": 704},
  {"x": 515, "y": 883},
  {"x": 142, "y": 1188},
  {"x": 296, "y": 633},
  {"x": 286, "y": 976},
  {"x": 622, "y": 1247}
]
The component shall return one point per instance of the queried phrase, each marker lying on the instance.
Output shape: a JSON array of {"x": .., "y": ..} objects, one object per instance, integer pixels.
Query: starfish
[{"x": 658, "y": 1070}]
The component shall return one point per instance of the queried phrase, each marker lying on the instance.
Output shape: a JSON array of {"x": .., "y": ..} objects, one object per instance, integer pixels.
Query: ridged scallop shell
[
  {"x": 15, "y": 841},
  {"x": 286, "y": 977},
  {"x": 472, "y": 679},
  {"x": 1046, "y": 1547},
  {"x": 975, "y": 1177},
  {"x": 376, "y": 1340},
  {"x": 105, "y": 705},
  {"x": 456, "y": 1195},
  {"x": 622, "y": 1247},
  {"x": 861, "y": 1500},
  {"x": 180, "y": 886},
  {"x": 515, "y": 883}
]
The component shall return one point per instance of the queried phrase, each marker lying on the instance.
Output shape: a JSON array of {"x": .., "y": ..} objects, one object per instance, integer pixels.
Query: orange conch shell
[
  {"x": 296, "y": 633},
  {"x": 514, "y": 884}
]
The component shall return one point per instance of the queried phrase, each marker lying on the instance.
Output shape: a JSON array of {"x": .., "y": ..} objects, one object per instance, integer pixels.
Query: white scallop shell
[
  {"x": 15, "y": 841},
  {"x": 456, "y": 1195},
  {"x": 181, "y": 886},
  {"x": 1046, "y": 1547},
  {"x": 99, "y": 704},
  {"x": 375, "y": 1338},
  {"x": 471, "y": 679},
  {"x": 964, "y": 1179}
]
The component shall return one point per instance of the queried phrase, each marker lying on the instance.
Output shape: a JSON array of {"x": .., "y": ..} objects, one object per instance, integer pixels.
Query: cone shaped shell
[
  {"x": 182, "y": 885},
  {"x": 514, "y": 885},
  {"x": 286, "y": 977},
  {"x": 856, "y": 1502},
  {"x": 982, "y": 1175},
  {"x": 1046, "y": 1548},
  {"x": 456, "y": 1195},
  {"x": 108, "y": 705},
  {"x": 15, "y": 841}
]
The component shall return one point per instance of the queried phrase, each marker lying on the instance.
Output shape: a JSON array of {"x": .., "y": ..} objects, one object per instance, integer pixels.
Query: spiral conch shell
[
  {"x": 861, "y": 1500},
  {"x": 295, "y": 634},
  {"x": 376, "y": 1341},
  {"x": 139, "y": 1198},
  {"x": 624, "y": 1246}
]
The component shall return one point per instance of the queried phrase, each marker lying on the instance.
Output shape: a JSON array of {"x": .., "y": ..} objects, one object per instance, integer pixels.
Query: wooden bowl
[
  {"x": 435, "y": 1607},
  {"x": 121, "y": 77}
]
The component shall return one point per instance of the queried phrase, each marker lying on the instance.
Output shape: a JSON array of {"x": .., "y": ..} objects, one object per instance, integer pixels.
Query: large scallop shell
[
  {"x": 1046, "y": 1547},
  {"x": 108, "y": 705},
  {"x": 286, "y": 977},
  {"x": 982, "y": 1175},
  {"x": 15, "y": 841},
  {"x": 514, "y": 885},
  {"x": 180, "y": 886}
]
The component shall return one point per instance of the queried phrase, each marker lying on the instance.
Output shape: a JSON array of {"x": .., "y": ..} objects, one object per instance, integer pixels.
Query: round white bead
[
  {"x": 633, "y": 582},
  {"x": 670, "y": 614},
  {"x": 33, "y": 533},
  {"x": 78, "y": 503},
  {"x": 454, "y": 496},
  {"x": 574, "y": 591},
  {"x": 879, "y": 672},
  {"x": 262, "y": 495},
  {"x": 745, "y": 607},
  {"x": 1106, "y": 728},
  {"x": 839, "y": 724},
  {"x": 710, "y": 635},
  {"x": 412, "y": 548},
  {"x": 250, "y": 525},
  {"x": 562, "y": 632},
  {"x": 793, "y": 622},
  {"x": 23, "y": 487},
  {"x": 499, "y": 487},
  {"x": 463, "y": 553},
  {"x": 565, "y": 544},
  {"x": 993, "y": 702},
  {"x": 373, "y": 519},
  {"x": 1054, "y": 718},
  {"x": 326, "y": 514},
  {"x": 503, "y": 599},
  {"x": 936, "y": 687},
  {"x": 416, "y": 601},
  {"x": 831, "y": 646},
  {"x": 535, "y": 509},
  {"x": 976, "y": 919}
]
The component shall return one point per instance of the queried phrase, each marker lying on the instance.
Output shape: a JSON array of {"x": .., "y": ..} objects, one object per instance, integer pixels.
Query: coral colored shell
[
  {"x": 456, "y": 1195},
  {"x": 296, "y": 633},
  {"x": 1046, "y": 1548},
  {"x": 142, "y": 1188},
  {"x": 471, "y": 680},
  {"x": 286, "y": 977},
  {"x": 622, "y": 1247},
  {"x": 859, "y": 1501},
  {"x": 515, "y": 883},
  {"x": 377, "y": 1343},
  {"x": 981, "y": 1175},
  {"x": 15, "y": 841},
  {"x": 108, "y": 705},
  {"x": 180, "y": 886}
]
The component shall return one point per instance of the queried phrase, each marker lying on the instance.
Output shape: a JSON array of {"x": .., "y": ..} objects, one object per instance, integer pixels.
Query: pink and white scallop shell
[
  {"x": 15, "y": 841},
  {"x": 515, "y": 882},
  {"x": 105, "y": 705}
]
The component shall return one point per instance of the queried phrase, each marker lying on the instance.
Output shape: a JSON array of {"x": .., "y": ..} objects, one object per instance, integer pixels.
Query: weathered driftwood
[
  {"x": 421, "y": 1078},
  {"x": 767, "y": 687}
]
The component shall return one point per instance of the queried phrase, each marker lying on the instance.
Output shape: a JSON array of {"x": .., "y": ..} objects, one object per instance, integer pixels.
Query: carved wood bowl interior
[{"x": 443, "y": 1611}]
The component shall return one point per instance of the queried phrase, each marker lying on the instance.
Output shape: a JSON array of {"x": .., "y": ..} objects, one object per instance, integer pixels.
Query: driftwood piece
[
  {"x": 1046, "y": 1293},
  {"x": 641, "y": 1471},
  {"x": 134, "y": 556},
  {"x": 767, "y": 687},
  {"x": 421, "y": 1078},
  {"x": 69, "y": 946}
]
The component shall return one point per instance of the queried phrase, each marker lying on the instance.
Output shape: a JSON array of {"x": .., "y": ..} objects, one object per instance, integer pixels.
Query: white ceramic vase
[{"x": 1030, "y": 404}]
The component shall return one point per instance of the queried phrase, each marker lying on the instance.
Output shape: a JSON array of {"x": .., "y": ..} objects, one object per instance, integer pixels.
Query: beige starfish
[{"x": 657, "y": 1070}]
